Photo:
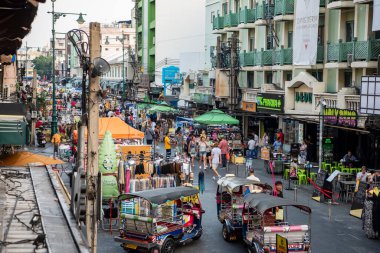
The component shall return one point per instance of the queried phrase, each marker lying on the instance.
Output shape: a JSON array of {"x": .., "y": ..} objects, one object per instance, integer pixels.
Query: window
[
  {"x": 237, "y": 5},
  {"x": 212, "y": 16},
  {"x": 252, "y": 43},
  {"x": 5, "y": 93},
  {"x": 251, "y": 3},
  {"x": 250, "y": 79},
  {"x": 269, "y": 77},
  {"x": 290, "y": 39},
  {"x": 347, "y": 78},
  {"x": 318, "y": 75},
  {"x": 289, "y": 76},
  {"x": 224, "y": 9},
  {"x": 320, "y": 35},
  {"x": 106, "y": 48},
  {"x": 269, "y": 42},
  {"x": 377, "y": 35},
  {"x": 349, "y": 31},
  {"x": 117, "y": 49}
]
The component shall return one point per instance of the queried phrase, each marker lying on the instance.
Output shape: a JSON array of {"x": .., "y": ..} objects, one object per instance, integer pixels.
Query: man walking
[
  {"x": 56, "y": 140},
  {"x": 168, "y": 146},
  {"x": 216, "y": 158},
  {"x": 251, "y": 148},
  {"x": 149, "y": 134},
  {"x": 223, "y": 145}
]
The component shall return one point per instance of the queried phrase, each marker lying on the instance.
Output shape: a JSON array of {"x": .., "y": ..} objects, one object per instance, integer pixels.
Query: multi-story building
[{"x": 347, "y": 49}]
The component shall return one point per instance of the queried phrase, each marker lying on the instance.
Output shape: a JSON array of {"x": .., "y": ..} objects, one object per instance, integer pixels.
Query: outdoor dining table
[{"x": 347, "y": 185}]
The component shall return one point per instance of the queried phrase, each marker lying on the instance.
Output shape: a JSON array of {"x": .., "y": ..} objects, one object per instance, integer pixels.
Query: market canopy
[
  {"x": 147, "y": 103},
  {"x": 216, "y": 117},
  {"x": 118, "y": 128},
  {"x": 24, "y": 158},
  {"x": 162, "y": 108}
]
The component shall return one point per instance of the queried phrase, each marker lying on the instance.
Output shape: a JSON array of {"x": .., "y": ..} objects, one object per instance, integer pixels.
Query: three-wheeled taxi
[
  {"x": 230, "y": 201},
  {"x": 158, "y": 220},
  {"x": 266, "y": 216}
]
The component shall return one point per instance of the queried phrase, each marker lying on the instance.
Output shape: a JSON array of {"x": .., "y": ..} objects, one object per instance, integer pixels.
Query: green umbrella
[
  {"x": 147, "y": 103},
  {"x": 162, "y": 108},
  {"x": 216, "y": 117}
]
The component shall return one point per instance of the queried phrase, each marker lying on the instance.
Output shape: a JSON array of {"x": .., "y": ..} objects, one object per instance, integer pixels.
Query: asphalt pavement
[{"x": 338, "y": 233}]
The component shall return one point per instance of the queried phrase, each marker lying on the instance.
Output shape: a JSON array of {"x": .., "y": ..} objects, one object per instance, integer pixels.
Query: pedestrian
[
  {"x": 139, "y": 122},
  {"x": 56, "y": 140},
  {"x": 278, "y": 189},
  {"x": 179, "y": 141},
  {"x": 208, "y": 151},
  {"x": 251, "y": 148},
  {"x": 277, "y": 145},
  {"x": 252, "y": 175},
  {"x": 280, "y": 135},
  {"x": 192, "y": 149},
  {"x": 168, "y": 146},
  {"x": 223, "y": 145},
  {"x": 149, "y": 133},
  {"x": 278, "y": 211},
  {"x": 203, "y": 151},
  {"x": 216, "y": 157},
  {"x": 303, "y": 152}
]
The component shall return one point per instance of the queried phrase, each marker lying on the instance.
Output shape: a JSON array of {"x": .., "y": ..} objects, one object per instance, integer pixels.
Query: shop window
[
  {"x": 349, "y": 31},
  {"x": 250, "y": 79},
  {"x": 347, "y": 78},
  {"x": 290, "y": 39}
]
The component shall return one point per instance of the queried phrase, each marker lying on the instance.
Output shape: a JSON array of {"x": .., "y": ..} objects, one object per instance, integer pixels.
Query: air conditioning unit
[
  {"x": 34, "y": 114},
  {"x": 350, "y": 58}
]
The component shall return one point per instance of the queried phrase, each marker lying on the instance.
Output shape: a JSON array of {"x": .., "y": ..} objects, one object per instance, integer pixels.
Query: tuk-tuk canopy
[
  {"x": 233, "y": 182},
  {"x": 161, "y": 196},
  {"x": 263, "y": 202}
]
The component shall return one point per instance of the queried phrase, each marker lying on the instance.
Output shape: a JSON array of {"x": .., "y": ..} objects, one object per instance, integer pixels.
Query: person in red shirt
[
  {"x": 39, "y": 123},
  {"x": 223, "y": 145},
  {"x": 280, "y": 135}
]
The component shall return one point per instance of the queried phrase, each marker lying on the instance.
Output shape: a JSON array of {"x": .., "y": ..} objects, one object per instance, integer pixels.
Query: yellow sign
[
  {"x": 265, "y": 154},
  {"x": 248, "y": 106},
  {"x": 281, "y": 244}
]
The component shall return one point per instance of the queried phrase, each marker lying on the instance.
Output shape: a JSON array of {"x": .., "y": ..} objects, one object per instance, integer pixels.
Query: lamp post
[
  {"x": 122, "y": 40},
  {"x": 55, "y": 17}
]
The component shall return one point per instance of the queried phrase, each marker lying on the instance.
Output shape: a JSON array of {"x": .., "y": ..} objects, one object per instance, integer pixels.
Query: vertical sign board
[
  {"x": 319, "y": 185},
  {"x": 281, "y": 244},
  {"x": 306, "y": 32},
  {"x": 370, "y": 95},
  {"x": 358, "y": 203},
  {"x": 170, "y": 75}
]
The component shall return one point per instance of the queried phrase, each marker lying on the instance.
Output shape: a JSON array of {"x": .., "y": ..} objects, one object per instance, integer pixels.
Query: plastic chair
[
  {"x": 302, "y": 179},
  {"x": 332, "y": 169},
  {"x": 328, "y": 167},
  {"x": 323, "y": 165},
  {"x": 286, "y": 173},
  {"x": 313, "y": 176},
  {"x": 346, "y": 170}
]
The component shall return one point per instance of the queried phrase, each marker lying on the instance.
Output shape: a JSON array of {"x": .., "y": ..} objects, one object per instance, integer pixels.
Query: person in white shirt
[
  {"x": 254, "y": 188},
  {"x": 362, "y": 176},
  {"x": 251, "y": 148},
  {"x": 252, "y": 175},
  {"x": 216, "y": 158}
]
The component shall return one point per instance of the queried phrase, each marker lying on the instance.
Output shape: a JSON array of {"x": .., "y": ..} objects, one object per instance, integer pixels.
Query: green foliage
[{"x": 44, "y": 65}]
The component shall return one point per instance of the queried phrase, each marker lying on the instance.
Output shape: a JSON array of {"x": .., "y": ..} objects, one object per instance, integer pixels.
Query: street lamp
[
  {"x": 121, "y": 40},
  {"x": 55, "y": 17}
]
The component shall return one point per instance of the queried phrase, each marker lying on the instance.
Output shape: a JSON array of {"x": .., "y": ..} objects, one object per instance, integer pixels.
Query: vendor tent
[
  {"x": 118, "y": 128},
  {"x": 216, "y": 117},
  {"x": 25, "y": 158},
  {"x": 162, "y": 108}
]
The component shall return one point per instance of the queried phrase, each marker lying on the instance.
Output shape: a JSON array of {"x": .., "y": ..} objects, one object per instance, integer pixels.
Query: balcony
[
  {"x": 201, "y": 98},
  {"x": 330, "y": 99},
  {"x": 263, "y": 12},
  {"x": 264, "y": 58},
  {"x": 320, "y": 54},
  {"x": 247, "y": 59},
  {"x": 247, "y": 16},
  {"x": 352, "y": 102},
  {"x": 360, "y": 51},
  {"x": 231, "y": 20},
  {"x": 152, "y": 50},
  {"x": 283, "y": 56},
  {"x": 218, "y": 23},
  {"x": 284, "y": 7},
  {"x": 340, "y": 4}
]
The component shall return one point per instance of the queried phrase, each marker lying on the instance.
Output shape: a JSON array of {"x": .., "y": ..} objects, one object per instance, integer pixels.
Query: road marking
[{"x": 357, "y": 238}]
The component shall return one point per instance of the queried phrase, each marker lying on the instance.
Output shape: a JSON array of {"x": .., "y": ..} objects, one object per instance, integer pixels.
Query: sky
[{"x": 103, "y": 11}]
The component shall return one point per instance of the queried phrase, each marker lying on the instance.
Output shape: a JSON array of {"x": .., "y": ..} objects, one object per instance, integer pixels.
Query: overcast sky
[{"x": 103, "y": 11}]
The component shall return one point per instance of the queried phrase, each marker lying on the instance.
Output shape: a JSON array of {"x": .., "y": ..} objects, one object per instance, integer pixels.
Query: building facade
[{"x": 270, "y": 84}]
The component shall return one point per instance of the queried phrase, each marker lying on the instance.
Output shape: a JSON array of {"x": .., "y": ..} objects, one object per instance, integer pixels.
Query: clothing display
[{"x": 137, "y": 185}]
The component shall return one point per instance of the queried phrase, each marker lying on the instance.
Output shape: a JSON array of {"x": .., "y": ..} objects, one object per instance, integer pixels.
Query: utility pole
[
  {"x": 34, "y": 102},
  {"x": 218, "y": 52},
  {"x": 234, "y": 41},
  {"x": 92, "y": 141}
]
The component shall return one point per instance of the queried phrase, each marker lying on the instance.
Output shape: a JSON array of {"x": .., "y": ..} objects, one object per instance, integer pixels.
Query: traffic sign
[{"x": 281, "y": 244}]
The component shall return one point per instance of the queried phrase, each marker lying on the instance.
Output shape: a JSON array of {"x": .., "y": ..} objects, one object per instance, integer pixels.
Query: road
[{"x": 343, "y": 233}]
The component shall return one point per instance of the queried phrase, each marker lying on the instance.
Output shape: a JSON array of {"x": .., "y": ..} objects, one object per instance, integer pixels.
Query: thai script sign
[
  {"x": 305, "y": 97},
  {"x": 340, "y": 117},
  {"x": 270, "y": 102}
]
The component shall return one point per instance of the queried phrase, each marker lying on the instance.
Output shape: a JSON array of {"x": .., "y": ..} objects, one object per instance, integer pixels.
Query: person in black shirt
[{"x": 278, "y": 189}]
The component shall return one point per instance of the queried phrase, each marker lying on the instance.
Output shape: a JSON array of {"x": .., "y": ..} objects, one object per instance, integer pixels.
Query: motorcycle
[{"x": 41, "y": 139}]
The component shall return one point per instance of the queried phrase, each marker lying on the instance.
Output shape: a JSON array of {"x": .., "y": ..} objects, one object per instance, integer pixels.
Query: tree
[{"x": 44, "y": 65}]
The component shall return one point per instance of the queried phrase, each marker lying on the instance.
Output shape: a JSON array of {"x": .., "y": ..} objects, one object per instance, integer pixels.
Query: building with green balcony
[
  {"x": 145, "y": 14},
  {"x": 347, "y": 49}
]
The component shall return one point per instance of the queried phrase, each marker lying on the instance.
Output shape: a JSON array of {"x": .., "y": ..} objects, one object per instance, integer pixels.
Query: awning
[{"x": 118, "y": 128}]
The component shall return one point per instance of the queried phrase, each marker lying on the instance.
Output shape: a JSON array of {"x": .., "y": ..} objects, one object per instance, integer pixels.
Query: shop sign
[
  {"x": 304, "y": 97},
  {"x": 270, "y": 102},
  {"x": 281, "y": 244},
  {"x": 341, "y": 117},
  {"x": 249, "y": 106}
]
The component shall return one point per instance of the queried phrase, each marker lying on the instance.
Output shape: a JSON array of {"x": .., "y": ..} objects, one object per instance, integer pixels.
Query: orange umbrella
[
  {"x": 118, "y": 128},
  {"x": 25, "y": 158}
]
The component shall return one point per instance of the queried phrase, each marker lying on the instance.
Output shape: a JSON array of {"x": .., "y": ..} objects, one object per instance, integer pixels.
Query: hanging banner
[
  {"x": 306, "y": 32},
  {"x": 376, "y": 13}
]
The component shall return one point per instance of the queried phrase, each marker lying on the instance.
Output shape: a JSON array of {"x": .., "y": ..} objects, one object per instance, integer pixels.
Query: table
[{"x": 346, "y": 187}]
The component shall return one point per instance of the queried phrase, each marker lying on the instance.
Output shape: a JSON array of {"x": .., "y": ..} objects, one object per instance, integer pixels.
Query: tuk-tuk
[
  {"x": 265, "y": 217},
  {"x": 156, "y": 221},
  {"x": 230, "y": 201}
]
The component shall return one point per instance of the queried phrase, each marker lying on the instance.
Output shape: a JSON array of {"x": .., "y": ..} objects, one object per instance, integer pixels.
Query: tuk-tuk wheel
[
  {"x": 168, "y": 246},
  {"x": 226, "y": 233}
]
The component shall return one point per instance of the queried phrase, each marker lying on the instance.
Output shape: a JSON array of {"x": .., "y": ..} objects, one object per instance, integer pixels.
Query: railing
[
  {"x": 352, "y": 102},
  {"x": 330, "y": 99},
  {"x": 247, "y": 16},
  {"x": 247, "y": 59},
  {"x": 260, "y": 11},
  {"x": 284, "y": 7},
  {"x": 202, "y": 98},
  {"x": 360, "y": 50},
  {"x": 231, "y": 20},
  {"x": 218, "y": 23},
  {"x": 320, "y": 54},
  {"x": 283, "y": 56}
]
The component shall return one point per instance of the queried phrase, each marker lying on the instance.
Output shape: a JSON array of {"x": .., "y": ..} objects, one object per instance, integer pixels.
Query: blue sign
[{"x": 171, "y": 75}]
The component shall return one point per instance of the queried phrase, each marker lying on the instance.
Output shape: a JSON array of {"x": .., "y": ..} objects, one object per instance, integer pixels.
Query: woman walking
[
  {"x": 203, "y": 151},
  {"x": 192, "y": 150}
]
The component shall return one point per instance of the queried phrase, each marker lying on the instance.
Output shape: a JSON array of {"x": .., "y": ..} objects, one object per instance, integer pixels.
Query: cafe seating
[
  {"x": 328, "y": 167},
  {"x": 301, "y": 177},
  {"x": 313, "y": 176},
  {"x": 346, "y": 170},
  {"x": 286, "y": 173}
]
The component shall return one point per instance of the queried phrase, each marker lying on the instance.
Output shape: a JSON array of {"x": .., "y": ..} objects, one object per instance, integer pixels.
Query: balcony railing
[
  {"x": 247, "y": 16},
  {"x": 284, "y": 7},
  {"x": 218, "y": 23},
  {"x": 360, "y": 50},
  {"x": 231, "y": 20},
  {"x": 352, "y": 102},
  {"x": 201, "y": 98},
  {"x": 283, "y": 56},
  {"x": 330, "y": 99},
  {"x": 320, "y": 54},
  {"x": 264, "y": 11}
]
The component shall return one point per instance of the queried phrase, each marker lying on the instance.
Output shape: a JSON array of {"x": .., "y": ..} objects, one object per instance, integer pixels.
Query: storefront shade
[
  {"x": 147, "y": 103},
  {"x": 118, "y": 128},
  {"x": 162, "y": 108},
  {"x": 216, "y": 117}
]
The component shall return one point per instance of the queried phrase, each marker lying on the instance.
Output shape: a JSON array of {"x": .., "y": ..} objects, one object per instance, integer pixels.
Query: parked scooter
[{"x": 41, "y": 139}]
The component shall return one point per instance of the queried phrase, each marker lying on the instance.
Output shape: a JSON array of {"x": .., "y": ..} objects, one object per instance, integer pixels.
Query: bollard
[
  {"x": 295, "y": 192},
  {"x": 330, "y": 214}
]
